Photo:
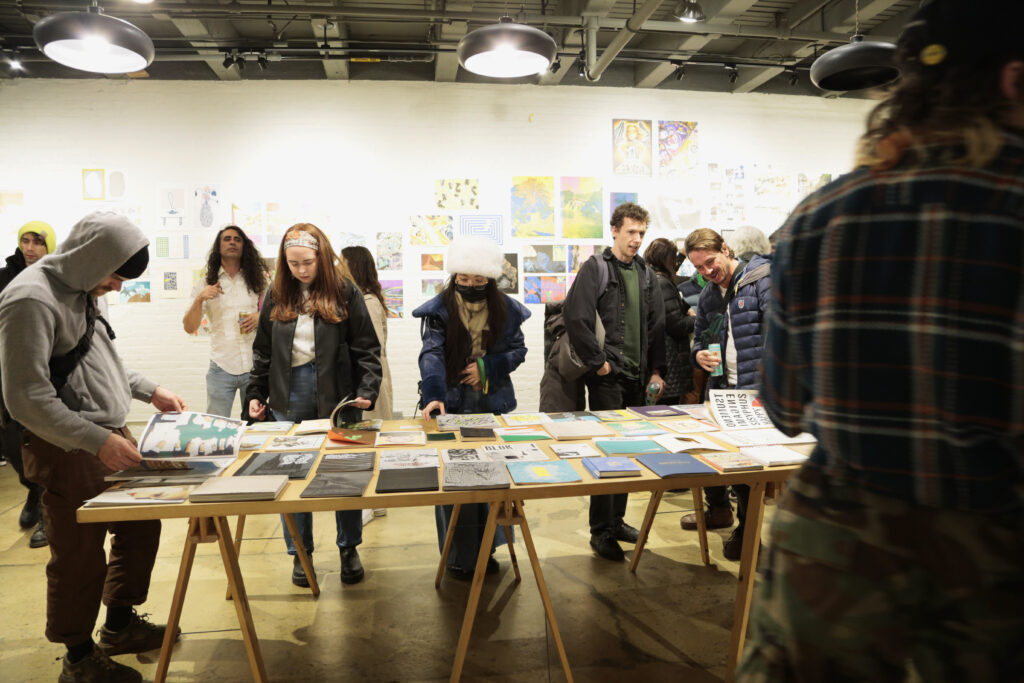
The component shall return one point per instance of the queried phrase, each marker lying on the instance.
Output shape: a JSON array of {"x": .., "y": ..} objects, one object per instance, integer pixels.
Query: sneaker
[
  {"x": 299, "y": 574},
  {"x": 97, "y": 668},
  {"x": 605, "y": 545},
  {"x": 626, "y": 533},
  {"x": 351, "y": 567},
  {"x": 140, "y": 635},
  {"x": 718, "y": 517},
  {"x": 38, "y": 538},
  {"x": 32, "y": 511},
  {"x": 733, "y": 546}
]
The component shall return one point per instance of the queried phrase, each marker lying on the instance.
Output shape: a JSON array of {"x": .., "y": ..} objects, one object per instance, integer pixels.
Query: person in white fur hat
[{"x": 472, "y": 341}]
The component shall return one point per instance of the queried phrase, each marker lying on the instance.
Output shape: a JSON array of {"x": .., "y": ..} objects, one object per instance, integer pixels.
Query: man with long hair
[
  {"x": 897, "y": 338},
  {"x": 230, "y": 299}
]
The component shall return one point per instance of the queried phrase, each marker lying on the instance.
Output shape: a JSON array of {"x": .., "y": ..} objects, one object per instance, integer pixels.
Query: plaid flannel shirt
[{"x": 897, "y": 336}]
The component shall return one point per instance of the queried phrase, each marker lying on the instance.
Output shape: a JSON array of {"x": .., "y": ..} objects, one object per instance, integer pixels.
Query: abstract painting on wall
[
  {"x": 677, "y": 147},
  {"x": 457, "y": 193},
  {"x": 488, "y": 226},
  {"x": 581, "y": 208},
  {"x": 431, "y": 261},
  {"x": 542, "y": 289},
  {"x": 508, "y": 281},
  {"x": 431, "y": 287},
  {"x": 135, "y": 292},
  {"x": 544, "y": 258},
  {"x": 631, "y": 147},
  {"x": 578, "y": 253},
  {"x": 432, "y": 231},
  {"x": 389, "y": 251},
  {"x": 617, "y": 199},
  {"x": 533, "y": 206},
  {"x": 392, "y": 290}
]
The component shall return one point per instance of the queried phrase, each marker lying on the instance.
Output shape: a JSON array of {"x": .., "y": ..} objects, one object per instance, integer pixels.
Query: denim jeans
[
  {"x": 302, "y": 406},
  {"x": 221, "y": 387}
]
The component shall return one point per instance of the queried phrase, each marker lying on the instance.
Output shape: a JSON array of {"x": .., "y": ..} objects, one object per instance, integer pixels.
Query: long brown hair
[
  {"x": 253, "y": 270},
  {"x": 457, "y": 343},
  {"x": 661, "y": 256},
  {"x": 326, "y": 299},
  {"x": 363, "y": 271}
]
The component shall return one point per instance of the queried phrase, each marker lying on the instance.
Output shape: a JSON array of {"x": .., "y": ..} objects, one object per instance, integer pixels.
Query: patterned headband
[{"x": 298, "y": 238}]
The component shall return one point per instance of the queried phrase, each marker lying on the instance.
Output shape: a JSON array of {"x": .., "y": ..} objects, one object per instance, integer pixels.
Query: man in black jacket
[
  {"x": 36, "y": 239},
  {"x": 627, "y": 299}
]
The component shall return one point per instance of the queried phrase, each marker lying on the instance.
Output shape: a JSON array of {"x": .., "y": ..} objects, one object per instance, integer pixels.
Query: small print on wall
[
  {"x": 431, "y": 231},
  {"x": 542, "y": 289},
  {"x": 578, "y": 253},
  {"x": 581, "y": 208},
  {"x": 544, "y": 258},
  {"x": 431, "y": 287},
  {"x": 392, "y": 297},
  {"x": 93, "y": 184},
  {"x": 533, "y": 206},
  {"x": 206, "y": 200},
  {"x": 617, "y": 199},
  {"x": 631, "y": 147},
  {"x": 457, "y": 193},
  {"x": 135, "y": 292},
  {"x": 172, "y": 207},
  {"x": 389, "y": 251},
  {"x": 677, "y": 147},
  {"x": 508, "y": 281},
  {"x": 488, "y": 226},
  {"x": 431, "y": 261}
]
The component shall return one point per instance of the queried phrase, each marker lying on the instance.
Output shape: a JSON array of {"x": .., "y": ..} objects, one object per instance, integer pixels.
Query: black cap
[
  {"x": 982, "y": 34},
  {"x": 135, "y": 266}
]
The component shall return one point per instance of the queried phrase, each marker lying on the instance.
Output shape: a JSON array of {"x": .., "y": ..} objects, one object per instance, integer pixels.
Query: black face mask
[{"x": 472, "y": 294}]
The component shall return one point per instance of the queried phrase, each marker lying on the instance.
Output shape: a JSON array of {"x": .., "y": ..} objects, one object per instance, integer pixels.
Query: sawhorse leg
[{"x": 652, "y": 509}]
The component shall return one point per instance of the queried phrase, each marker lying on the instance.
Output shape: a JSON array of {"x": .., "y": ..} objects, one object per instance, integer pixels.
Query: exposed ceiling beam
[
  {"x": 446, "y": 64},
  {"x": 841, "y": 15},
  {"x": 196, "y": 28},
  {"x": 333, "y": 33},
  {"x": 650, "y": 75}
]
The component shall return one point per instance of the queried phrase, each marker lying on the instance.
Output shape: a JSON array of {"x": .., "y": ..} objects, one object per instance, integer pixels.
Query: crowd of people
[{"x": 888, "y": 322}]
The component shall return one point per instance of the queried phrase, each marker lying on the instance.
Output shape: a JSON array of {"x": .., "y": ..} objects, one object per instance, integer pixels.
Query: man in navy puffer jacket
[{"x": 730, "y": 313}]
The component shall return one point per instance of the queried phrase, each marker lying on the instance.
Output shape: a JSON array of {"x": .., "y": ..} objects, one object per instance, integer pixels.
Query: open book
[{"x": 336, "y": 419}]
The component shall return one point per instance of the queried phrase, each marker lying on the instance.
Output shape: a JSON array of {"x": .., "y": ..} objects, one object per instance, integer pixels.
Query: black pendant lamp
[
  {"x": 93, "y": 41},
  {"x": 506, "y": 50},
  {"x": 857, "y": 65}
]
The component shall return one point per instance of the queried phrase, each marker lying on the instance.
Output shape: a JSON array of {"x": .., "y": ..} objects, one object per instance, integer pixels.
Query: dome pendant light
[
  {"x": 857, "y": 65},
  {"x": 689, "y": 12},
  {"x": 93, "y": 41},
  {"x": 506, "y": 50}
]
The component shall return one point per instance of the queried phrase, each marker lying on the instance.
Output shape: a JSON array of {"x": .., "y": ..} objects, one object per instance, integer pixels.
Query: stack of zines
[{"x": 341, "y": 475}]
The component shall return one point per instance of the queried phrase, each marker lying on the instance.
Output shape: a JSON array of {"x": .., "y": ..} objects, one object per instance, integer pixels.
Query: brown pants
[{"x": 79, "y": 576}]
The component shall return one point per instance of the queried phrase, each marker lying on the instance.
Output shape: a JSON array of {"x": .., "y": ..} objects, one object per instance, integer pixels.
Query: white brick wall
[{"x": 359, "y": 157}]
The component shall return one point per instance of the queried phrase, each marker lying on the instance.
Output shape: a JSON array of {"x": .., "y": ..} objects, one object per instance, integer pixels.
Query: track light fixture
[
  {"x": 733, "y": 72},
  {"x": 556, "y": 65},
  {"x": 262, "y": 61},
  {"x": 93, "y": 41},
  {"x": 240, "y": 63},
  {"x": 689, "y": 12},
  {"x": 794, "y": 78},
  {"x": 506, "y": 50},
  {"x": 229, "y": 61},
  {"x": 581, "y": 64}
]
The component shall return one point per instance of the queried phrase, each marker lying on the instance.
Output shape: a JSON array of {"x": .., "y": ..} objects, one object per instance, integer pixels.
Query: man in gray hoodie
[{"x": 65, "y": 383}]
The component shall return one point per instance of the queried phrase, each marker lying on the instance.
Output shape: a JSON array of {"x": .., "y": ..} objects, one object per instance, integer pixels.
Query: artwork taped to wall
[
  {"x": 115, "y": 185},
  {"x": 432, "y": 231},
  {"x": 488, "y": 226},
  {"x": 544, "y": 288},
  {"x": 207, "y": 207},
  {"x": 392, "y": 297},
  {"x": 578, "y": 253},
  {"x": 727, "y": 195},
  {"x": 533, "y": 206},
  {"x": 631, "y": 147},
  {"x": 544, "y": 258},
  {"x": 677, "y": 147},
  {"x": 135, "y": 292},
  {"x": 677, "y": 211},
  {"x": 349, "y": 239},
  {"x": 132, "y": 212},
  {"x": 431, "y": 287},
  {"x": 581, "y": 208},
  {"x": 617, "y": 199},
  {"x": 431, "y": 261},
  {"x": 249, "y": 217},
  {"x": 10, "y": 199},
  {"x": 508, "y": 281},
  {"x": 173, "y": 282},
  {"x": 457, "y": 194},
  {"x": 172, "y": 207},
  {"x": 170, "y": 245},
  {"x": 389, "y": 251},
  {"x": 93, "y": 184}
]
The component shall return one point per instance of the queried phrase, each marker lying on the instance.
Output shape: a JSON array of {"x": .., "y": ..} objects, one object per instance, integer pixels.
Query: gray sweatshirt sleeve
[
  {"x": 26, "y": 340},
  {"x": 142, "y": 388}
]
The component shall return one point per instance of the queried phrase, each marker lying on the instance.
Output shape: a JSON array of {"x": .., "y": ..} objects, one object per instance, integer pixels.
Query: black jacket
[
  {"x": 678, "y": 327},
  {"x": 347, "y": 357},
  {"x": 15, "y": 264},
  {"x": 583, "y": 300}
]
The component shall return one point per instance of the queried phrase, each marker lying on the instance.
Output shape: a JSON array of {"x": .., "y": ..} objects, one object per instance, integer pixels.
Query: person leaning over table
[
  {"x": 65, "y": 383},
  {"x": 314, "y": 347},
  {"x": 472, "y": 341}
]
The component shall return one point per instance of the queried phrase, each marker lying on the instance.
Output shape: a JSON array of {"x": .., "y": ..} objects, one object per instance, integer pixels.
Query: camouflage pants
[{"x": 856, "y": 586}]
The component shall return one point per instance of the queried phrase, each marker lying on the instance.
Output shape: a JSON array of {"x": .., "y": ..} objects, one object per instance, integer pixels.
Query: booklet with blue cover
[
  {"x": 628, "y": 445},
  {"x": 603, "y": 468},
  {"x": 675, "y": 464},
  {"x": 544, "y": 472}
]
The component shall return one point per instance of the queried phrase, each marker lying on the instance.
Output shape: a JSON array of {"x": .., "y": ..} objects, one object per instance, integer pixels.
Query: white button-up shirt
[{"x": 229, "y": 348}]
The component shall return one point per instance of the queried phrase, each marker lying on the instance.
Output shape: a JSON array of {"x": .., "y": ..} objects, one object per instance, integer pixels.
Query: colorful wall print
[
  {"x": 431, "y": 287},
  {"x": 431, "y": 261},
  {"x": 578, "y": 253},
  {"x": 488, "y": 226},
  {"x": 533, "y": 206},
  {"x": 581, "y": 208},
  {"x": 617, "y": 199},
  {"x": 542, "y": 289},
  {"x": 93, "y": 184},
  {"x": 389, "y": 251},
  {"x": 135, "y": 292},
  {"x": 544, "y": 258},
  {"x": 457, "y": 193},
  {"x": 206, "y": 204},
  {"x": 433, "y": 231},
  {"x": 508, "y": 282},
  {"x": 677, "y": 147},
  {"x": 631, "y": 147},
  {"x": 392, "y": 297}
]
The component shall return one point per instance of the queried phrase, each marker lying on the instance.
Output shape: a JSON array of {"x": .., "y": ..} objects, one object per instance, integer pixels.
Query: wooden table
[{"x": 208, "y": 522}]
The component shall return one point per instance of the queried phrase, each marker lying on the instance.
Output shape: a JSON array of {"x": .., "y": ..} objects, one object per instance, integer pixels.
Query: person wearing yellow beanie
[{"x": 36, "y": 239}]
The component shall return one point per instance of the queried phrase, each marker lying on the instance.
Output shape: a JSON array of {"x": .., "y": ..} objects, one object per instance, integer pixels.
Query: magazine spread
[
  {"x": 190, "y": 435},
  {"x": 738, "y": 409}
]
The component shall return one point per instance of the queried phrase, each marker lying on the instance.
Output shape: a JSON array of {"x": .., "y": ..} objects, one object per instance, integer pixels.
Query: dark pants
[
  {"x": 718, "y": 496},
  {"x": 10, "y": 442},
  {"x": 79, "y": 575},
  {"x": 611, "y": 392}
]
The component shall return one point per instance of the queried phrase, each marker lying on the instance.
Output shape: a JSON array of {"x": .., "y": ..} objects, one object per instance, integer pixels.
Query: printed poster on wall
[
  {"x": 431, "y": 231},
  {"x": 581, "y": 208},
  {"x": 457, "y": 194},
  {"x": 135, "y": 292},
  {"x": 631, "y": 147},
  {"x": 578, "y": 253},
  {"x": 392, "y": 290},
  {"x": 508, "y": 281},
  {"x": 431, "y": 287},
  {"x": 431, "y": 261},
  {"x": 544, "y": 288},
  {"x": 488, "y": 226},
  {"x": 171, "y": 207},
  {"x": 207, "y": 207},
  {"x": 389, "y": 251},
  {"x": 544, "y": 258},
  {"x": 617, "y": 199},
  {"x": 677, "y": 147},
  {"x": 738, "y": 409},
  {"x": 533, "y": 206},
  {"x": 93, "y": 184}
]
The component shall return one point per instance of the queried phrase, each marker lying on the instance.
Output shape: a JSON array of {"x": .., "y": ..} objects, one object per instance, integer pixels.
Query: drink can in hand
[{"x": 717, "y": 350}]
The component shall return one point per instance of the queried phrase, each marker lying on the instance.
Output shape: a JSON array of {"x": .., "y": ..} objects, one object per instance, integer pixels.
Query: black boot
[
  {"x": 351, "y": 566},
  {"x": 33, "y": 509},
  {"x": 38, "y": 538}
]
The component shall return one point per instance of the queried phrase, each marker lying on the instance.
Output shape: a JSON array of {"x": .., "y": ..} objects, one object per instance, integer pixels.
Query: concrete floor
[{"x": 669, "y": 622}]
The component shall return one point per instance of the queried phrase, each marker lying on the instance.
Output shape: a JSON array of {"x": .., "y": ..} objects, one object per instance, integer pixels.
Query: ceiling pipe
[{"x": 632, "y": 27}]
